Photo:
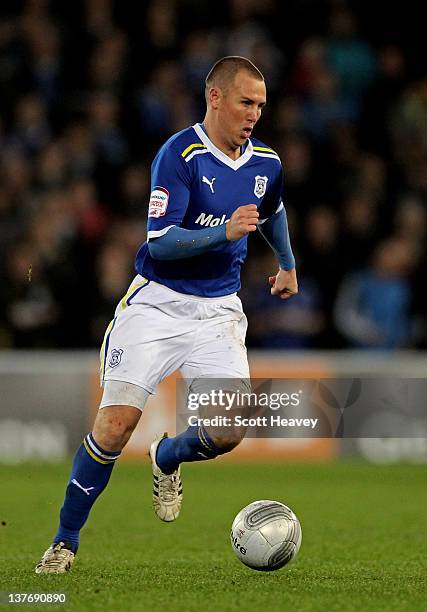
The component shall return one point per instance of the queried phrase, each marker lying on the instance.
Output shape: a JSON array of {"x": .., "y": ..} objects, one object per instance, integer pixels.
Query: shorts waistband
[{"x": 196, "y": 298}]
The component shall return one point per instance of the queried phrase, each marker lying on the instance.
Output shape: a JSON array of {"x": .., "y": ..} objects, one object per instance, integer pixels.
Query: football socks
[
  {"x": 90, "y": 473},
  {"x": 194, "y": 444}
]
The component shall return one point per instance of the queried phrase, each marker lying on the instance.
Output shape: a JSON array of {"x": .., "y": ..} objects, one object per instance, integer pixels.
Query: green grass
[{"x": 364, "y": 539}]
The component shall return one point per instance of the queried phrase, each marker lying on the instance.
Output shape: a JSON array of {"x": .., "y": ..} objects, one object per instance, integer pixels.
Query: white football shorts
[{"x": 156, "y": 331}]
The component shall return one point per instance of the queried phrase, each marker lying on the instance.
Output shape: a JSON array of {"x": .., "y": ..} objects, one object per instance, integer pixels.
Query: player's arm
[
  {"x": 178, "y": 243},
  {"x": 276, "y": 232},
  {"x": 274, "y": 229}
]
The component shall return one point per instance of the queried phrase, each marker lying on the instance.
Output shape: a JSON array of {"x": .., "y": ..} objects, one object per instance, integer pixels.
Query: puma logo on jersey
[
  {"x": 210, "y": 220},
  {"x": 74, "y": 481},
  {"x": 208, "y": 182}
]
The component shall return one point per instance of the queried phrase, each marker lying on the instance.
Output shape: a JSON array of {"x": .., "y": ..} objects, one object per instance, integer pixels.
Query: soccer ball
[{"x": 266, "y": 535}]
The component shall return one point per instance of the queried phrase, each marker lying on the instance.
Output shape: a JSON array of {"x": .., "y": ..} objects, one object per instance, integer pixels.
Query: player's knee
[
  {"x": 114, "y": 426},
  {"x": 226, "y": 441},
  {"x": 113, "y": 438}
]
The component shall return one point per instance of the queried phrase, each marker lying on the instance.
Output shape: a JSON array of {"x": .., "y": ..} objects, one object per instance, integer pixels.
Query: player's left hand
[{"x": 284, "y": 284}]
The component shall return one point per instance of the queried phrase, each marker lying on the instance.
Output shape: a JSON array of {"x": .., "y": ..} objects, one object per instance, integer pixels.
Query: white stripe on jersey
[
  {"x": 158, "y": 233},
  {"x": 272, "y": 155},
  {"x": 196, "y": 152}
]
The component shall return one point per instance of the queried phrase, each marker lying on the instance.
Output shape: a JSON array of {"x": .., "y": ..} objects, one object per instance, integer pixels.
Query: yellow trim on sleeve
[
  {"x": 265, "y": 149},
  {"x": 191, "y": 147}
]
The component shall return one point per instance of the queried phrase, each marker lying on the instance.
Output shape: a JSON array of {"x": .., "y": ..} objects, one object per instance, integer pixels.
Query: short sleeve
[
  {"x": 273, "y": 199},
  {"x": 170, "y": 191}
]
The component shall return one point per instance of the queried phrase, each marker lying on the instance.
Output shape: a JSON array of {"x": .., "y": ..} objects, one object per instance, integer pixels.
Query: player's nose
[{"x": 253, "y": 116}]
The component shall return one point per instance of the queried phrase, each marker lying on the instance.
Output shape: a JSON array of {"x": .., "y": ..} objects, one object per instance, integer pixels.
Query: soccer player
[{"x": 212, "y": 185}]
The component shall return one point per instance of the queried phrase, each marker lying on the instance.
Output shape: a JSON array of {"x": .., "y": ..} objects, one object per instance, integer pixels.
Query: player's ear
[{"x": 214, "y": 95}]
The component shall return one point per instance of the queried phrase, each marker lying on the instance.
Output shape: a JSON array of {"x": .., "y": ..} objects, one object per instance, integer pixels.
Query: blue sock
[
  {"x": 194, "y": 444},
  {"x": 90, "y": 473}
]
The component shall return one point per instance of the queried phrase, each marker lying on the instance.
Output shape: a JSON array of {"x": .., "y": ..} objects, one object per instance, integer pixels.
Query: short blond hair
[{"x": 223, "y": 72}]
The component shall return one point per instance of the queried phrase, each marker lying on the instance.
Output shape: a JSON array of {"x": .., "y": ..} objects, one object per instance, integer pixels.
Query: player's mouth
[{"x": 247, "y": 131}]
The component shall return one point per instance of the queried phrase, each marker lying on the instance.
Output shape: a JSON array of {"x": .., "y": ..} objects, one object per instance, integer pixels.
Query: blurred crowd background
[{"x": 90, "y": 90}]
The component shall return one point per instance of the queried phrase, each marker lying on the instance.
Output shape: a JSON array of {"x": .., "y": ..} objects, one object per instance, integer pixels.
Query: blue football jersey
[{"x": 194, "y": 185}]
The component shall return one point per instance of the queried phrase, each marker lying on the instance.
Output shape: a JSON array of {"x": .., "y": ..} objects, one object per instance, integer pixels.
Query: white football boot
[
  {"x": 56, "y": 560},
  {"x": 167, "y": 488}
]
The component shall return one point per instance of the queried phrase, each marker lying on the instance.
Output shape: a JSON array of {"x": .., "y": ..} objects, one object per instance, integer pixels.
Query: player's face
[{"x": 240, "y": 108}]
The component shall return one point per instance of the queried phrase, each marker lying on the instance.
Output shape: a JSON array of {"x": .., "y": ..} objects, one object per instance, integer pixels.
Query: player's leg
[
  {"x": 196, "y": 443},
  {"x": 205, "y": 441},
  {"x": 138, "y": 347},
  {"x": 219, "y": 352},
  {"x": 91, "y": 469}
]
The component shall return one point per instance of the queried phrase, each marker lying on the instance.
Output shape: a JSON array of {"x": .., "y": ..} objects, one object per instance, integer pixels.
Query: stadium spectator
[
  {"x": 380, "y": 100},
  {"x": 373, "y": 308},
  {"x": 350, "y": 58},
  {"x": 324, "y": 106},
  {"x": 31, "y": 130}
]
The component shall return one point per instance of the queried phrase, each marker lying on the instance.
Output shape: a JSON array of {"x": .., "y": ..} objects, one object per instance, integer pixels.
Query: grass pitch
[{"x": 364, "y": 539}]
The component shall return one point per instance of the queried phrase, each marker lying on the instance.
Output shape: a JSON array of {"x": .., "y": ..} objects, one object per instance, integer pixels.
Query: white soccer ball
[{"x": 266, "y": 535}]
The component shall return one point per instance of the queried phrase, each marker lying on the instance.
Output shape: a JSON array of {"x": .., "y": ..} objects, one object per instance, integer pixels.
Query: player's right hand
[{"x": 243, "y": 220}]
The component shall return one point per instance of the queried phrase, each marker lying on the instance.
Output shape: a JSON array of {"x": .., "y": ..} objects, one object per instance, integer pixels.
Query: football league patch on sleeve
[{"x": 159, "y": 200}]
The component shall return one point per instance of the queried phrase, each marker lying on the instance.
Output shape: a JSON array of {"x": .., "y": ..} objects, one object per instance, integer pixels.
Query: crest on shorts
[
  {"x": 260, "y": 186},
  {"x": 115, "y": 357}
]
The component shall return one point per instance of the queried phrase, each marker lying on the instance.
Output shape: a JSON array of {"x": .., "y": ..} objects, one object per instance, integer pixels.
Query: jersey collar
[{"x": 235, "y": 164}]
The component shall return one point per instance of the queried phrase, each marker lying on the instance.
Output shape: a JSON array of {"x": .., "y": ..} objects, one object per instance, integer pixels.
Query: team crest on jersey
[
  {"x": 159, "y": 200},
  {"x": 260, "y": 186},
  {"x": 115, "y": 357}
]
